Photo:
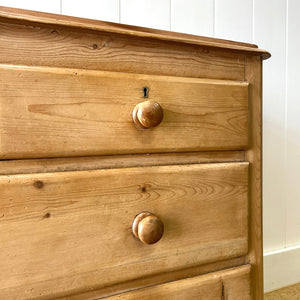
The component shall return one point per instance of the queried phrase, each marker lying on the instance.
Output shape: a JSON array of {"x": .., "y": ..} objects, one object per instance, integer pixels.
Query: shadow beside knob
[
  {"x": 147, "y": 114},
  {"x": 148, "y": 228}
]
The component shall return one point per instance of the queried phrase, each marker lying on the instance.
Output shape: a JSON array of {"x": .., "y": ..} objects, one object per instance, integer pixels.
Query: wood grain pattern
[
  {"x": 156, "y": 279},
  {"x": 40, "y": 46},
  {"x": 46, "y": 165},
  {"x": 237, "y": 283},
  {"x": 255, "y": 256},
  {"x": 43, "y": 19},
  {"x": 147, "y": 114},
  {"x": 67, "y": 88},
  {"x": 68, "y": 112},
  {"x": 148, "y": 228},
  {"x": 49, "y": 221},
  {"x": 232, "y": 284},
  {"x": 203, "y": 288}
]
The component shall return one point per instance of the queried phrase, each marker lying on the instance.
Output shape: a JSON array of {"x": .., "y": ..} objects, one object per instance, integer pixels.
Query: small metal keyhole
[{"x": 145, "y": 90}]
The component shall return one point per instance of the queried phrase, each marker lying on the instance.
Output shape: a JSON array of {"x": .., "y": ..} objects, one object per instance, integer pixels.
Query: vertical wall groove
[
  {"x": 214, "y": 18},
  {"x": 119, "y": 11},
  {"x": 285, "y": 114},
  {"x": 252, "y": 25},
  {"x": 170, "y": 13}
]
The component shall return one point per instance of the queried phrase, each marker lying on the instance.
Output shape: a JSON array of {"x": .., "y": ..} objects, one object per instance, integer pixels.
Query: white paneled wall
[
  {"x": 269, "y": 32},
  {"x": 193, "y": 16},
  {"x": 233, "y": 19},
  {"x": 273, "y": 25},
  {"x": 293, "y": 126},
  {"x": 154, "y": 13},
  {"x": 52, "y": 6},
  {"x": 105, "y": 10}
]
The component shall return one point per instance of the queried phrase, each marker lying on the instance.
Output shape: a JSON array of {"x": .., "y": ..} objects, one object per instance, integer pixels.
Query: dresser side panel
[{"x": 253, "y": 75}]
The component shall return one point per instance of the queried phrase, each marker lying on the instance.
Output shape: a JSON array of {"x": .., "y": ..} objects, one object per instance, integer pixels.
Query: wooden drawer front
[
  {"x": 51, "y": 112},
  {"x": 74, "y": 47},
  {"x": 232, "y": 284},
  {"x": 200, "y": 288},
  {"x": 71, "y": 231}
]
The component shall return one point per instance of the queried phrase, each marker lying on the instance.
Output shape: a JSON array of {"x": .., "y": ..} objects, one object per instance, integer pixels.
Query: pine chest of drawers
[{"x": 130, "y": 162}]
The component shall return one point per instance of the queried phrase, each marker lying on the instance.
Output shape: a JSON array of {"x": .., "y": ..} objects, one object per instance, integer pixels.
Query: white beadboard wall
[{"x": 273, "y": 25}]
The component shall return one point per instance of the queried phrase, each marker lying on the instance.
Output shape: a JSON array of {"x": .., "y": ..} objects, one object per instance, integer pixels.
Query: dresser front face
[{"x": 78, "y": 165}]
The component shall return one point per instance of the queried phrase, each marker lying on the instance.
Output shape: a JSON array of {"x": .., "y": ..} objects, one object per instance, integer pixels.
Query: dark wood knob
[
  {"x": 148, "y": 228},
  {"x": 147, "y": 114}
]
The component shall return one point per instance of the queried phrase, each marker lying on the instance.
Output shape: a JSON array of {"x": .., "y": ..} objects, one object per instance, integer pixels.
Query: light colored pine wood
[
  {"x": 44, "y": 19},
  {"x": 232, "y": 284},
  {"x": 68, "y": 232},
  {"x": 157, "y": 279},
  {"x": 148, "y": 228},
  {"x": 54, "y": 112},
  {"x": 237, "y": 283},
  {"x": 206, "y": 287},
  {"x": 8, "y": 167},
  {"x": 253, "y": 75},
  {"x": 64, "y": 47},
  {"x": 147, "y": 114},
  {"x": 287, "y": 293}
]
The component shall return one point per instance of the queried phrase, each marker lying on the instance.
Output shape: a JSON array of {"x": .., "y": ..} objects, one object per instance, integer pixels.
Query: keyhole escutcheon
[{"x": 145, "y": 91}]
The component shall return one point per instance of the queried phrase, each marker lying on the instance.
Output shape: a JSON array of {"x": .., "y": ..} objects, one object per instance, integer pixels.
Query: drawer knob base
[
  {"x": 148, "y": 228},
  {"x": 147, "y": 114}
]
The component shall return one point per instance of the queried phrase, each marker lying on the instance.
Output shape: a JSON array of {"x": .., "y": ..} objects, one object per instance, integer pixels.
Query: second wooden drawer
[{"x": 71, "y": 231}]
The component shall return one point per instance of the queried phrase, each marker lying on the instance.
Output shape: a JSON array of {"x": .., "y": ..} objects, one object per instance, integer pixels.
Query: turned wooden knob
[
  {"x": 148, "y": 228},
  {"x": 147, "y": 114}
]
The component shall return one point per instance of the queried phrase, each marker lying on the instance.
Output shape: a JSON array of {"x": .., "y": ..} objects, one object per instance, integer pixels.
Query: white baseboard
[{"x": 281, "y": 268}]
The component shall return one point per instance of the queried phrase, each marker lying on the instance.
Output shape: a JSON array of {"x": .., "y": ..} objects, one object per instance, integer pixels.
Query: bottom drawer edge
[{"x": 230, "y": 284}]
